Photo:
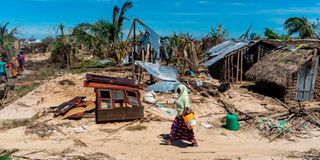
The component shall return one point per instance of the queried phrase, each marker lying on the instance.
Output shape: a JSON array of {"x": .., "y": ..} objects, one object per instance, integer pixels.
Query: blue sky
[{"x": 38, "y": 17}]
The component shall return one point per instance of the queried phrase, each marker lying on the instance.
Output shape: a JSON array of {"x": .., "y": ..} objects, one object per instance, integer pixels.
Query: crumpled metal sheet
[
  {"x": 219, "y": 51},
  {"x": 157, "y": 70},
  {"x": 163, "y": 86}
]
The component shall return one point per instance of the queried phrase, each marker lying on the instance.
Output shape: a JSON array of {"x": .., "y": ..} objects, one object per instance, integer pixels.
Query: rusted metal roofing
[
  {"x": 66, "y": 106},
  {"x": 219, "y": 51},
  {"x": 166, "y": 73},
  {"x": 91, "y": 78}
]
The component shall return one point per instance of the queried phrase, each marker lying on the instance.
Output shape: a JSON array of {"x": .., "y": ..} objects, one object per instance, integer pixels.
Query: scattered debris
[
  {"x": 67, "y": 82},
  {"x": 136, "y": 128},
  {"x": 42, "y": 129},
  {"x": 149, "y": 97},
  {"x": 312, "y": 154},
  {"x": 224, "y": 87},
  {"x": 206, "y": 125},
  {"x": 5, "y": 154},
  {"x": 167, "y": 75},
  {"x": 164, "y": 86},
  {"x": 66, "y": 106},
  {"x": 74, "y": 109},
  {"x": 81, "y": 129},
  {"x": 293, "y": 121}
]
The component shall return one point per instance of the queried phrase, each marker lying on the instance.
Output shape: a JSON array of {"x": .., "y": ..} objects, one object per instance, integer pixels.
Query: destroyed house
[
  {"x": 117, "y": 99},
  {"x": 228, "y": 61},
  {"x": 289, "y": 73}
]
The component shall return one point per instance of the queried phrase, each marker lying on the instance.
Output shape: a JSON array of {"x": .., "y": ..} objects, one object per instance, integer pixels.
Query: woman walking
[{"x": 179, "y": 129}]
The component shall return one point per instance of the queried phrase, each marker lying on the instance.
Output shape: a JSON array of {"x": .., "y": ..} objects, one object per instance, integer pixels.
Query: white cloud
[
  {"x": 305, "y": 10},
  {"x": 193, "y": 13},
  {"x": 171, "y": 22}
]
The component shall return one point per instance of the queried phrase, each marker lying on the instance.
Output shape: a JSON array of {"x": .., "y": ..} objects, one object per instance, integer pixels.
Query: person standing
[
  {"x": 21, "y": 62},
  {"x": 13, "y": 67},
  {"x": 179, "y": 129}
]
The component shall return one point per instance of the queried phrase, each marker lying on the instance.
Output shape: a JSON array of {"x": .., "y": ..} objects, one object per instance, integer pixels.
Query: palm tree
[
  {"x": 270, "y": 34},
  {"x": 299, "y": 25},
  {"x": 102, "y": 37},
  {"x": 218, "y": 34},
  {"x": 63, "y": 48},
  {"x": 7, "y": 38},
  {"x": 94, "y": 36},
  {"x": 118, "y": 19}
]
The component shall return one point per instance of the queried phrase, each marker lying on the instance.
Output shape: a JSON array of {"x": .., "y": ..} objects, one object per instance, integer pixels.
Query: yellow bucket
[{"x": 190, "y": 120}]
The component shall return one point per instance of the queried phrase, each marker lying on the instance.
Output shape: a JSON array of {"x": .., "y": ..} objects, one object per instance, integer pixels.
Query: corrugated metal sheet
[
  {"x": 219, "y": 51},
  {"x": 154, "y": 39},
  {"x": 163, "y": 86},
  {"x": 162, "y": 72},
  {"x": 306, "y": 81}
]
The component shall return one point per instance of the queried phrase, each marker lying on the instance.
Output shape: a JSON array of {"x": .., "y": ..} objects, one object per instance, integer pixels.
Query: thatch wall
[
  {"x": 317, "y": 87},
  {"x": 279, "y": 66},
  {"x": 291, "y": 89}
]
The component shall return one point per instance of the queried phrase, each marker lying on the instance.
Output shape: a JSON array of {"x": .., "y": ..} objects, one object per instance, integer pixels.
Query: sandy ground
[{"x": 214, "y": 143}]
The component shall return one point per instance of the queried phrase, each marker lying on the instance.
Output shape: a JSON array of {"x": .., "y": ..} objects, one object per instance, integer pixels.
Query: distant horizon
[{"x": 37, "y": 18}]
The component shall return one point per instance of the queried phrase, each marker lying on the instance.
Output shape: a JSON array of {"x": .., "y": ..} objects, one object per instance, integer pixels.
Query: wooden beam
[
  {"x": 238, "y": 60},
  {"x": 133, "y": 51},
  {"x": 229, "y": 74},
  {"x": 258, "y": 56},
  {"x": 148, "y": 52},
  {"x": 241, "y": 64},
  {"x": 232, "y": 66},
  {"x": 225, "y": 70},
  {"x": 141, "y": 70}
]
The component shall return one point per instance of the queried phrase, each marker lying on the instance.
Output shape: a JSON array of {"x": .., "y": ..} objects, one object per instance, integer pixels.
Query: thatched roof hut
[
  {"x": 279, "y": 66},
  {"x": 291, "y": 68}
]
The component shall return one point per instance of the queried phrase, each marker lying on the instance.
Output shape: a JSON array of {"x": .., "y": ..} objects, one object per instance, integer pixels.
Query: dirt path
[{"x": 214, "y": 143}]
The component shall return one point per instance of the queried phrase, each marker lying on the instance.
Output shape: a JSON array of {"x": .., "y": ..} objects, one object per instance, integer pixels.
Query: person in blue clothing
[{"x": 3, "y": 69}]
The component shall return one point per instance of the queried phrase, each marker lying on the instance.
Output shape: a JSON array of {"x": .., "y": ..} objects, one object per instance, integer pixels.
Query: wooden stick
[
  {"x": 200, "y": 152},
  {"x": 225, "y": 70},
  {"x": 232, "y": 66},
  {"x": 229, "y": 74},
  {"x": 282, "y": 104},
  {"x": 116, "y": 130},
  {"x": 238, "y": 61},
  {"x": 241, "y": 63},
  {"x": 148, "y": 52},
  {"x": 258, "y": 57}
]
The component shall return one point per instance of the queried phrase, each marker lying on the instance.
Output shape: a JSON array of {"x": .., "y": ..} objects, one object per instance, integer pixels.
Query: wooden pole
[
  {"x": 148, "y": 53},
  {"x": 241, "y": 64},
  {"x": 229, "y": 74},
  {"x": 238, "y": 60},
  {"x": 225, "y": 70},
  {"x": 134, "y": 51},
  {"x": 258, "y": 56},
  {"x": 232, "y": 66},
  {"x": 141, "y": 70}
]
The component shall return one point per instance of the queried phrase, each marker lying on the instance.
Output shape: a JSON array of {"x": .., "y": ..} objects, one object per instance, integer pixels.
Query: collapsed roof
[{"x": 221, "y": 50}]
